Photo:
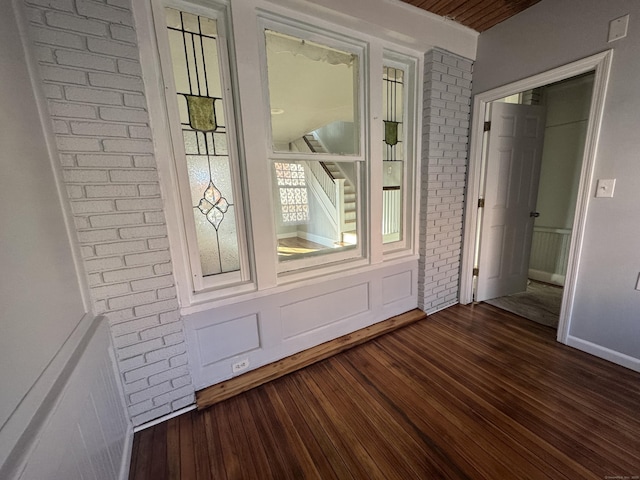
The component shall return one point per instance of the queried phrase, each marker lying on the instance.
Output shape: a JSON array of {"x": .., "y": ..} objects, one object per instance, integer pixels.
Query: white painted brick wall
[
  {"x": 91, "y": 77},
  {"x": 447, "y": 106}
]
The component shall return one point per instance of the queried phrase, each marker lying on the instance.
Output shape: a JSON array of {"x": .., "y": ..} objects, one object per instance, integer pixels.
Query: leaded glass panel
[
  {"x": 194, "y": 53},
  {"x": 392, "y": 153}
]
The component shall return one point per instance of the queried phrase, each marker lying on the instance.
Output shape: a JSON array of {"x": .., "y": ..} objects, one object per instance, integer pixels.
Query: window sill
[{"x": 246, "y": 292}]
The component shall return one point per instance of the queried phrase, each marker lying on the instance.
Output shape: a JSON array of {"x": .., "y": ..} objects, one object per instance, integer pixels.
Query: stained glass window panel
[
  {"x": 393, "y": 80},
  {"x": 393, "y": 112},
  {"x": 198, "y": 81}
]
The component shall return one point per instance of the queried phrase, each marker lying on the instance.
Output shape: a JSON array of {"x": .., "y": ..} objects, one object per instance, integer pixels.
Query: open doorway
[
  {"x": 566, "y": 105},
  {"x": 598, "y": 64}
]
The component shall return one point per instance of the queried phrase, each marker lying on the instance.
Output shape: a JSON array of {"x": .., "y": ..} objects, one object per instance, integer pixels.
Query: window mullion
[
  {"x": 251, "y": 72},
  {"x": 376, "y": 130}
]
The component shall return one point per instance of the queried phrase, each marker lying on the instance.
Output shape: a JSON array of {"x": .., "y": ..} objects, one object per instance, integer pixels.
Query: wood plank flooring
[{"x": 471, "y": 392}]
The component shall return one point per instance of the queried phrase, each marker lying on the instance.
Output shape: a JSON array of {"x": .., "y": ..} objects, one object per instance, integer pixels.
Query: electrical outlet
[{"x": 241, "y": 365}]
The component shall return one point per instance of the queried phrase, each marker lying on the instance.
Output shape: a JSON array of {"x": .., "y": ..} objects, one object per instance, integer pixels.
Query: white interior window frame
[
  {"x": 222, "y": 284},
  {"x": 409, "y": 64},
  {"x": 324, "y": 36},
  {"x": 252, "y": 117}
]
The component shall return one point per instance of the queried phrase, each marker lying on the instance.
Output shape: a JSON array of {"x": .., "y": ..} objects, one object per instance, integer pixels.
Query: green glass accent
[
  {"x": 202, "y": 115},
  {"x": 390, "y": 132}
]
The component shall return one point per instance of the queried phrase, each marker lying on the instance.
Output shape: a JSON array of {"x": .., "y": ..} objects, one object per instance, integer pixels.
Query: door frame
[{"x": 600, "y": 64}]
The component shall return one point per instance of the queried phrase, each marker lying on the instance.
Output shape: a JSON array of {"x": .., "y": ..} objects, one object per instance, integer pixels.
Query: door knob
[{"x": 534, "y": 214}]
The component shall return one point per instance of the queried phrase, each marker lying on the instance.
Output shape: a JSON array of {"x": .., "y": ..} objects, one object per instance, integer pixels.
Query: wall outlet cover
[
  {"x": 605, "y": 187},
  {"x": 241, "y": 365},
  {"x": 618, "y": 28}
]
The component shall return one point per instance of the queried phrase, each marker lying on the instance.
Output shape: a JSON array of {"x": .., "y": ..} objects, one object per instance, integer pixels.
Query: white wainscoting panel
[
  {"x": 549, "y": 254},
  {"x": 292, "y": 318},
  {"x": 397, "y": 287},
  {"x": 315, "y": 312},
  {"x": 87, "y": 433},
  {"x": 223, "y": 340}
]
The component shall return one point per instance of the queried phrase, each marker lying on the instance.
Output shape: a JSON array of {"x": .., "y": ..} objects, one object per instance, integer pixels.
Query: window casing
[
  {"x": 316, "y": 122},
  {"x": 260, "y": 267},
  {"x": 201, "y": 118},
  {"x": 398, "y": 146}
]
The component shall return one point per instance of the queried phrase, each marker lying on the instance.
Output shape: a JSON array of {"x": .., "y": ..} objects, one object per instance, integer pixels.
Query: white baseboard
[
  {"x": 287, "y": 235},
  {"x": 125, "y": 461},
  {"x": 328, "y": 242},
  {"x": 547, "y": 277},
  {"x": 605, "y": 353},
  {"x": 164, "y": 418}
]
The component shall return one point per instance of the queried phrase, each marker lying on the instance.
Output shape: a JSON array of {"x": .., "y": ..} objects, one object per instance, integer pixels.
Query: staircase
[{"x": 348, "y": 227}]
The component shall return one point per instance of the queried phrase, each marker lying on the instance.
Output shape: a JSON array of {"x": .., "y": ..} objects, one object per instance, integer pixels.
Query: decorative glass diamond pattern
[
  {"x": 198, "y": 81},
  {"x": 213, "y": 205}
]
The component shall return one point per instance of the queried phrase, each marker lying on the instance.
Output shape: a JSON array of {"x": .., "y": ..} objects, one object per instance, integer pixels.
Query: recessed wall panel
[
  {"x": 316, "y": 312},
  {"x": 227, "y": 339},
  {"x": 396, "y": 287}
]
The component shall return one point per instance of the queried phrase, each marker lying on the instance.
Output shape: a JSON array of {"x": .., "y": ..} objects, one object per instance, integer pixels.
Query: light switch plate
[
  {"x": 605, "y": 187},
  {"x": 618, "y": 28},
  {"x": 638, "y": 284}
]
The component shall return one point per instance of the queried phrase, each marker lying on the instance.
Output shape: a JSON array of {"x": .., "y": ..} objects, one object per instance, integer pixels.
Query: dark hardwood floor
[{"x": 468, "y": 393}]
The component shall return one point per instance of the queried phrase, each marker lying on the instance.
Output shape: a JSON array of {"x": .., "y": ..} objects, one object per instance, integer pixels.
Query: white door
[{"x": 514, "y": 155}]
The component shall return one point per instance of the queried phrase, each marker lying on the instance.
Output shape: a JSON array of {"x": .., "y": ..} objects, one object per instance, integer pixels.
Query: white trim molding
[
  {"x": 600, "y": 64},
  {"x": 604, "y": 352}
]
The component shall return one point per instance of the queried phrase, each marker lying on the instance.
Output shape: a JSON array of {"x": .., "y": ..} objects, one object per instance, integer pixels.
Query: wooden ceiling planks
[{"x": 479, "y": 15}]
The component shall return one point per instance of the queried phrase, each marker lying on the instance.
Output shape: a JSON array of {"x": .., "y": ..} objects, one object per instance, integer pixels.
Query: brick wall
[
  {"x": 447, "y": 100},
  {"x": 92, "y": 81}
]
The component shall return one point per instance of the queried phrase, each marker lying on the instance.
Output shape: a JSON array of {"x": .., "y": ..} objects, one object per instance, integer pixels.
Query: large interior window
[
  {"x": 313, "y": 88},
  {"x": 329, "y": 130}
]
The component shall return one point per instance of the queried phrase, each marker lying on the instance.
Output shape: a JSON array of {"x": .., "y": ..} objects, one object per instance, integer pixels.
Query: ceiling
[{"x": 479, "y": 15}]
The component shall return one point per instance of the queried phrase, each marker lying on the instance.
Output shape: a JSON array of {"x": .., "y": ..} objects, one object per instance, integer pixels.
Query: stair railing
[{"x": 391, "y": 216}]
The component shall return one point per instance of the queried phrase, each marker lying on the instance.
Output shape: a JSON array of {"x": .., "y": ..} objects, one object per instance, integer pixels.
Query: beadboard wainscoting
[
  {"x": 86, "y": 432},
  {"x": 549, "y": 254},
  {"x": 261, "y": 330}
]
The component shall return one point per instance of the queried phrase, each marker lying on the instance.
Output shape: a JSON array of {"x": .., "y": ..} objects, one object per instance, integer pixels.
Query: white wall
[
  {"x": 549, "y": 34},
  {"x": 565, "y": 130},
  {"x": 44, "y": 322},
  {"x": 39, "y": 292}
]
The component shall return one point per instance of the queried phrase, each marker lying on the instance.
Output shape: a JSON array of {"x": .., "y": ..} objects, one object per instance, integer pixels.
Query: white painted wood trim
[
  {"x": 164, "y": 418},
  {"x": 245, "y": 56},
  {"x": 547, "y": 277},
  {"x": 19, "y": 432},
  {"x": 605, "y": 353},
  {"x": 125, "y": 463},
  {"x": 413, "y": 68},
  {"x": 600, "y": 64},
  {"x": 154, "y": 91},
  {"x": 78, "y": 396},
  {"x": 393, "y": 21}
]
